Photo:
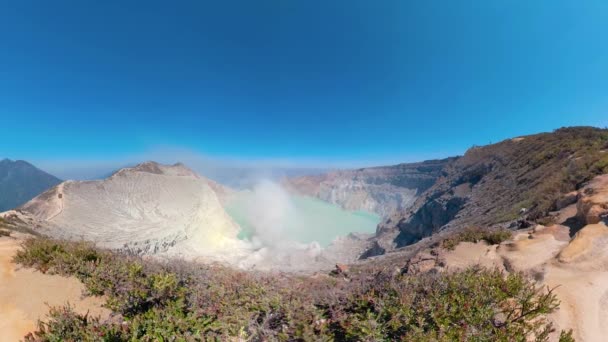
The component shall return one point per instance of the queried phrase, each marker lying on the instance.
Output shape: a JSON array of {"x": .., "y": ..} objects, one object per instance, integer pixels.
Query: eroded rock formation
[
  {"x": 380, "y": 190},
  {"x": 592, "y": 205}
]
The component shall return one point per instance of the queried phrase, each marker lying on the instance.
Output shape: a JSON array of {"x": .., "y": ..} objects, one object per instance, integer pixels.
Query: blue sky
[{"x": 310, "y": 82}]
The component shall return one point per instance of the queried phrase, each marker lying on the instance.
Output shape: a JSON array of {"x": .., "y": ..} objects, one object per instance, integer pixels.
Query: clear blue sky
[{"x": 352, "y": 81}]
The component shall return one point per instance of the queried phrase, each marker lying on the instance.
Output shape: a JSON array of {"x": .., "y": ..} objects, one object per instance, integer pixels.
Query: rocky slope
[
  {"x": 513, "y": 183},
  {"x": 381, "y": 190},
  {"x": 576, "y": 269},
  {"x": 149, "y": 209},
  {"x": 20, "y": 181},
  {"x": 573, "y": 261}
]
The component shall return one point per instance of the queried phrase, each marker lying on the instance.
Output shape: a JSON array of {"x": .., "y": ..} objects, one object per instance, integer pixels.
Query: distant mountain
[{"x": 21, "y": 181}]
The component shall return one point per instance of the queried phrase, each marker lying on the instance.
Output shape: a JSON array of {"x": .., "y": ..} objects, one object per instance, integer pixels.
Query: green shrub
[
  {"x": 601, "y": 166},
  {"x": 476, "y": 234},
  {"x": 566, "y": 336},
  {"x": 531, "y": 173},
  {"x": 11, "y": 223},
  {"x": 190, "y": 302},
  {"x": 64, "y": 324}
]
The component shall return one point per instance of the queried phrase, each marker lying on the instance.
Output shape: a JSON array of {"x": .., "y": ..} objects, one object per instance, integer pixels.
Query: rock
[
  {"x": 340, "y": 270},
  {"x": 559, "y": 232},
  {"x": 373, "y": 251},
  {"x": 521, "y": 224},
  {"x": 592, "y": 206},
  {"x": 428, "y": 219},
  {"x": 423, "y": 262},
  {"x": 596, "y": 214},
  {"x": 568, "y": 199},
  {"x": 587, "y": 243}
]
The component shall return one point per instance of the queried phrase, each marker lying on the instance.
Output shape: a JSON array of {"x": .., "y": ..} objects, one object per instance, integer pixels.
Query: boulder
[
  {"x": 423, "y": 262},
  {"x": 567, "y": 200},
  {"x": 588, "y": 243},
  {"x": 340, "y": 270},
  {"x": 592, "y": 205},
  {"x": 374, "y": 250}
]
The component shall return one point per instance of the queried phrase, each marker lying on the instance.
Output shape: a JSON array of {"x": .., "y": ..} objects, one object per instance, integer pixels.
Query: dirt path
[{"x": 25, "y": 295}]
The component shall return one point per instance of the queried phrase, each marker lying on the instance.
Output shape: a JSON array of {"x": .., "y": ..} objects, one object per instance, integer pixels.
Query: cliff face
[
  {"x": 512, "y": 183},
  {"x": 381, "y": 190}
]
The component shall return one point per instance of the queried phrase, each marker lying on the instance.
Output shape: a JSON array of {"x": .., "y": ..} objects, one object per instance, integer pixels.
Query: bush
[
  {"x": 64, "y": 324},
  {"x": 190, "y": 302},
  {"x": 531, "y": 173},
  {"x": 476, "y": 234}
]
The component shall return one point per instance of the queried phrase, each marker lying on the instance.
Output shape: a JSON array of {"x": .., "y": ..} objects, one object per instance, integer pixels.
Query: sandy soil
[
  {"x": 25, "y": 295},
  {"x": 584, "y": 300},
  {"x": 467, "y": 254},
  {"x": 577, "y": 269}
]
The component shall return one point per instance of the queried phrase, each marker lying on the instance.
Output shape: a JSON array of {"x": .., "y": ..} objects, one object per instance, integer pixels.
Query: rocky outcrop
[
  {"x": 588, "y": 243},
  {"x": 380, "y": 190},
  {"x": 592, "y": 205},
  {"x": 567, "y": 200},
  {"x": 428, "y": 219},
  {"x": 425, "y": 261},
  {"x": 374, "y": 250}
]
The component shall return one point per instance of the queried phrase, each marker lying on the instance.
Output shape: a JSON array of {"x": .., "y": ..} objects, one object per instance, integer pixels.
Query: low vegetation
[
  {"x": 179, "y": 301},
  {"x": 516, "y": 182},
  {"x": 12, "y": 224},
  {"x": 530, "y": 173},
  {"x": 550, "y": 165},
  {"x": 476, "y": 234}
]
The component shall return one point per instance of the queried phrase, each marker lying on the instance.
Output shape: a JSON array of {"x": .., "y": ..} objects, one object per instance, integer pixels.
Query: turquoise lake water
[{"x": 304, "y": 220}]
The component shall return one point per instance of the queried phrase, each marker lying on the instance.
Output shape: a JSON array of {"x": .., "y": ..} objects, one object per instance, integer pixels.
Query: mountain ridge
[{"x": 515, "y": 183}]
